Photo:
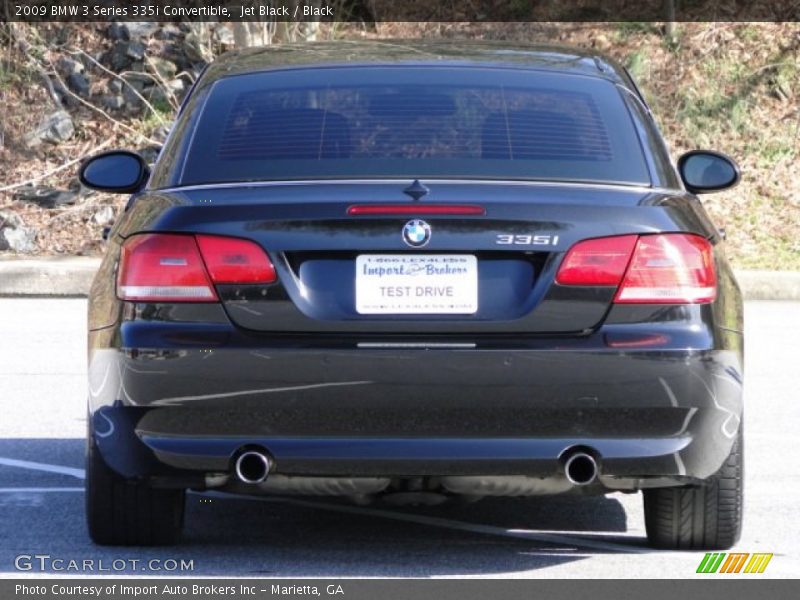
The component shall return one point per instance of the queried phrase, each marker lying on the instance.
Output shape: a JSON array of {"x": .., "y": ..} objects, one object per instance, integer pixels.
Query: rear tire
[
  {"x": 702, "y": 517},
  {"x": 120, "y": 512}
]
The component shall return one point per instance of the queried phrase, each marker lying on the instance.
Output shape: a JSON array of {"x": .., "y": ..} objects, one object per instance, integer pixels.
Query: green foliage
[
  {"x": 638, "y": 66},
  {"x": 12, "y": 74}
]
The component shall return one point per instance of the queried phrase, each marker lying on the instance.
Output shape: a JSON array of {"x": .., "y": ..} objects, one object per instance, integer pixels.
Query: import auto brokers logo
[
  {"x": 416, "y": 233},
  {"x": 734, "y": 562}
]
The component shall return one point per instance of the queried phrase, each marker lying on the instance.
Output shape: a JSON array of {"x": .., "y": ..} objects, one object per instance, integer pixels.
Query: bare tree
[
  {"x": 269, "y": 31},
  {"x": 669, "y": 23}
]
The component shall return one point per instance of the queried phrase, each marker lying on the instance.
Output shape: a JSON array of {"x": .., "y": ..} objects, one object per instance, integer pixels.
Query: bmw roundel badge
[{"x": 416, "y": 233}]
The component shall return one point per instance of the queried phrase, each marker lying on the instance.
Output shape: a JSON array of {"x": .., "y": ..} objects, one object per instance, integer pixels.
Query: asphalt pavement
[{"x": 42, "y": 421}]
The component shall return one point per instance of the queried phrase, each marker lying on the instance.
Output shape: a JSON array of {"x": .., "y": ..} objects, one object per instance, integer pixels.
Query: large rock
[
  {"x": 122, "y": 54},
  {"x": 136, "y": 50},
  {"x": 20, "y": 239},
  {"x": 79, "y": 84},
  {"x": 175, "y": 89},
  {"x": 69, "y": 66},
  {"x": 117, "y": 31},
  {"x": 115, "y": 86},
  {"x": 45, "y": 196},
  {"x": 113, "y": 102},
  {"x": 10, "y": 219},
  {"x": 141, "y": 29},
  {"x": 133, "y": 103},
  {"x": 167, "y": 32},
  {"x": 138, "y": 80},
  {"x": 65, "y": 95},
  {"x": 166, "y": 69},
  {"x": 132, "y": 30},
  {"x": 55, "y": 128}
]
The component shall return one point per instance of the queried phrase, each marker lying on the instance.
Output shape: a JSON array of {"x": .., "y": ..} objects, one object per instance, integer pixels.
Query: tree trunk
[{"x": 262, "y": 33}]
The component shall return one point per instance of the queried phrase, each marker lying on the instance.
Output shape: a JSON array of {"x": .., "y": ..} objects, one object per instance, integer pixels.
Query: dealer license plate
[{"x": 395, "y": 284}]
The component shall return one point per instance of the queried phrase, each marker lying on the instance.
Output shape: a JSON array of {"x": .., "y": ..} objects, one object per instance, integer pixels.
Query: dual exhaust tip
[{"x": 253, "y": 466}]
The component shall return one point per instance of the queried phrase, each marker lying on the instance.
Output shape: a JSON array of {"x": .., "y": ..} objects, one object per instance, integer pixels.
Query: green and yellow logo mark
[{"x": 736, "y": 562}]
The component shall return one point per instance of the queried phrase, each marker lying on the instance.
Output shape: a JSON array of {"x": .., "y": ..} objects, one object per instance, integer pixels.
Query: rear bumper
[{"x": 657, "y": 405}]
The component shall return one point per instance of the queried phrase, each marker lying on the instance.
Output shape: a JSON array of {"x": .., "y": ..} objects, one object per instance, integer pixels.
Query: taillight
[
  {"x": 231, "y": 260},
  {"x": 669, "y": 268},
  {"x": 165, "y": 267},
  {"x": 601, "y": 261},
  {"x": 673, "y": 268}
]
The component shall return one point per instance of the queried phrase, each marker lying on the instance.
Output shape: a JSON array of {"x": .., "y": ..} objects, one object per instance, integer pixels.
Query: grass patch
[
  {"x": 13, "y": 75},
  {"x": 638, "y": 66},
  {"x": 153, "y": 120}
]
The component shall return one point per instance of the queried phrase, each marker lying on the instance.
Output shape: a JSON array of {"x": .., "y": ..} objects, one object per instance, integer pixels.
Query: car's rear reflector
[
  {"x": 163, "y": 268},
  {"x": 666, "y": 268},
  {"x": 600, "y": 261},
  {"x": 166, "y": 267},
  {"x": 233, "y": 260},
  {"x": 672, "y": 268},
  {"x": 416, "y": 209}
]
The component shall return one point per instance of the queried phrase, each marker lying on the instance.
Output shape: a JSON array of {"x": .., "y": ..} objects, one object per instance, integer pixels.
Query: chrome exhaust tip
[
  {"x": 253, "y": 467},
  {"x": 580, "y": 468}
]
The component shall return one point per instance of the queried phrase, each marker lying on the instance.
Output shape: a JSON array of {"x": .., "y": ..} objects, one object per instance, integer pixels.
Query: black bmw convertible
[{"x": 415, "y": 271}]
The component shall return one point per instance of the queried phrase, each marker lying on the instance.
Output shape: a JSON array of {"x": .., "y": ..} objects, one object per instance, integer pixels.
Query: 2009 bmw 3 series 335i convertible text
[{"x": 415, "y": 271}]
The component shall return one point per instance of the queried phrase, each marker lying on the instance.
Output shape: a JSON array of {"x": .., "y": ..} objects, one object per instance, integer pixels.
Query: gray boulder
[
  {"x": 118, "y": 31},
  {"x": 115, "y": 86},
  {"x": 165, "y": 68},
  {"x": 57, "y": 127},
  {"x": 10, "y": 219},
  {"x": 69, "y": 66},
  {"x": 167, "y": 32},
  {"x": 136, "y": 50},
  {"x": 141, "y": 29},
  {"x": 113, "y": 102},
  {"x": 19, "y": 239},
  {"x": 79, "y": 84},
  {"x": 45, "y": 196},
  {"x": 122, "y": 54}
]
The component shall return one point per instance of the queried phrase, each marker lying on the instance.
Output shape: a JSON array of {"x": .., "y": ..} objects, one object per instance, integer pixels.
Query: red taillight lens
[
  {"x": 667, "y": 268},
  {"x": 165, "y": 267},
  {"x": 601, "y": 261},
  {"x": 673, "y": 268},
  {"x": 231, "y": 260}
]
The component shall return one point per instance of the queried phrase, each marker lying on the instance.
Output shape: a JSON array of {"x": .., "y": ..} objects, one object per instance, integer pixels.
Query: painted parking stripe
[
  {"x": 39, "y": 490},
  {"x": 525, "y": 534},
  {"x": 37, "y": 466}
]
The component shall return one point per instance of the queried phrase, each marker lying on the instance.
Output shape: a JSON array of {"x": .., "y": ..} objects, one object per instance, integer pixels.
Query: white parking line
[
  {"x": 525, "y": 534},
  {"x": 37, "y": 466},
  {"x": 573, "y": 541},
  {"x": 38, "y": 490}
]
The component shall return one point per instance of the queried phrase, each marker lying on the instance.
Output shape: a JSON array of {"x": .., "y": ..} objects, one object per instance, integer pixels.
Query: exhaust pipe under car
[
  {"x": 580, "y": 468},
  {"x": 253, "y": 467}
]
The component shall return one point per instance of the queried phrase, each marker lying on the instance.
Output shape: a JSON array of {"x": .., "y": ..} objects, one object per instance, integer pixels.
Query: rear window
[{"x": 412, "y": 122}]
